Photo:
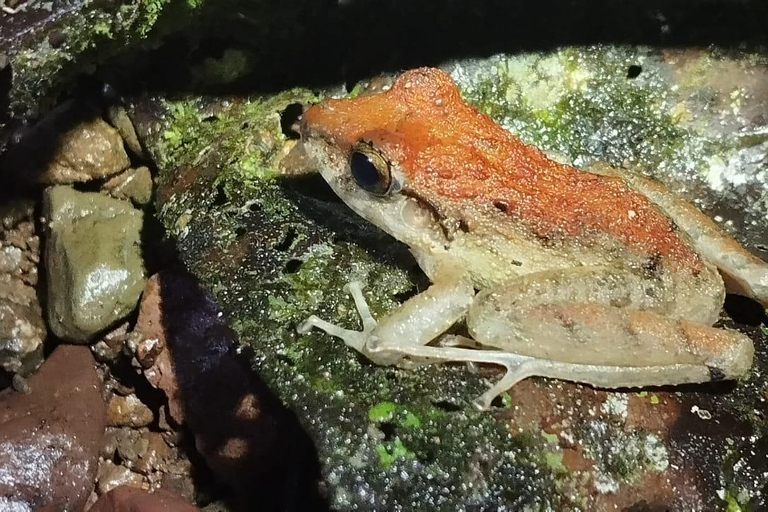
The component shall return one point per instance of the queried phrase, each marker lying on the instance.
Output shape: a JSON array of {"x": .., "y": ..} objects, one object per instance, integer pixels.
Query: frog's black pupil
[{"x": 365, "y": 173}]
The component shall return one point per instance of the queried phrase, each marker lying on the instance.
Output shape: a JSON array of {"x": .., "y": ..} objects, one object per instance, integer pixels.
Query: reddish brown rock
[
  {"x": 128, "y": 499},
  {"x": 50, "y": 438},
  {"x": 238, "y": 428}
]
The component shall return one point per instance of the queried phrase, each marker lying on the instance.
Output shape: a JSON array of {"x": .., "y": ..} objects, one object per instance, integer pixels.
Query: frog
[{"x": 599, "y": 275}]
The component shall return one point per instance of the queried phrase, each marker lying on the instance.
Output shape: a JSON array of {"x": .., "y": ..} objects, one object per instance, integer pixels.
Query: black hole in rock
[
  {"x": 210, "y": 119},
  {"x": 762, "y": 247},
  {"x": 404, "y": 296},
  {"x": 744, "y": 310},
  {"x": 240, "y": 231},
  {"x": 56, "y": 38},
  {"x": 634, "y": 71},
  {"x": 502, "y": 206},
  {"x": 88, "y": 186},
  {"x": 290, "y": 237},
  {"x": 389, "y": 430},
  {"x": 446, "y": 405},
  {"x": 285, "y": 359},
  {"x": 292, "y": 266},
  {"x": 255, "y": 207},
  {"x": 288, "y": 119},
  {"x": 497, "y": 402},
  {"x": 221, "y": 196},
  {"x": 245, "y": 125}
]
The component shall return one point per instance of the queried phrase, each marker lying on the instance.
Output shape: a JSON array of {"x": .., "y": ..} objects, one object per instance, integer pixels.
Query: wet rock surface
[
  {"x": 22, "y": 330},
  {"x": 71, "y": 144},
  {"x": 133, "y": 185},
  {"x": 128, "y": 499},
  {"x": 93, "y": 260},
  {"x": 50, "y": 438},
  {"x": 274, "y": 250}
]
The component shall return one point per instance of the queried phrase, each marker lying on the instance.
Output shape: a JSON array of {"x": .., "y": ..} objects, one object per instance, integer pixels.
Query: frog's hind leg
[{"x": 573, "y": 332}]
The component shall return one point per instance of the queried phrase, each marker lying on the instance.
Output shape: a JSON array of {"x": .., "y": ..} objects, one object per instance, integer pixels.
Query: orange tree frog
[{"x": 597, "y": 277}]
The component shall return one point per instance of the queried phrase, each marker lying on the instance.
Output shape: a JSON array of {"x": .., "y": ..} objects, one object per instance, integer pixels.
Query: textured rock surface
[
  {"x": 128, "y": 411},
  {"x": 22, "y": 330},
  {"x": 128, "y": 499},
  {"x": 274, "y": 250},
  {"x": 93, "y": 261},
  {"x": 134, "y": 185},
  {"x": 71, "y": 144},
  {"x": 50, "y": 438}
]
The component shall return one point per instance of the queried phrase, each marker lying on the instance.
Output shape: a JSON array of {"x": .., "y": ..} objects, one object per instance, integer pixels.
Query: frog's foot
[
  {"x": 518, "y": 367},
  {"x": 354, "y": 339}
]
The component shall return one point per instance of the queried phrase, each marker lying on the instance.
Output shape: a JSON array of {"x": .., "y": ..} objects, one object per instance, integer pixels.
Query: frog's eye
[{"x": 370, "y": 169}]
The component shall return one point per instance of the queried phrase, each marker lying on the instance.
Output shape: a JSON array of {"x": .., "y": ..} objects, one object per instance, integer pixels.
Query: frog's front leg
[{"x": 417, "y": 321}]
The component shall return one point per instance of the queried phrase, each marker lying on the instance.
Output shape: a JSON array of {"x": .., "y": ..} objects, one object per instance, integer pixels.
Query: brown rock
[
  {"x": 111, "y": 476},
  {"x": 22, "y": 330},
  {"x": 128, "y": 411},
  {"x": 50, "y": 438},
  {"x": 159, "y": 370},
  {"x": 72, "y": 144},
  {"x": 127, "y": 499},
  {"x": 153, "y": 458}
]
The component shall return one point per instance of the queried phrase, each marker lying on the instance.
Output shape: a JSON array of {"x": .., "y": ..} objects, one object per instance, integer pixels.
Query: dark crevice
[
  {"x": 288, "y": 240},
  {"x": 446, "y": 405},
  {"x": 745, "y": 311},
  {"x": 289, "y": 118},
  {"x": 292, "y": 266}
]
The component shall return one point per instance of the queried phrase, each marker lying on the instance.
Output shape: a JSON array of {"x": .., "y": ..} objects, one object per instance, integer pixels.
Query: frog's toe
[
  {"x": 355, "y": 288},
  {"x": 516, "y": 372},
  {"x": 354, "y": 339}
]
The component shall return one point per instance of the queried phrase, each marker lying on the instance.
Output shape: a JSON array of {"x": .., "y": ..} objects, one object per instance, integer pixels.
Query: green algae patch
[
  {"x": 391, "y": 452},
  {"x": 382, "y": 412}
]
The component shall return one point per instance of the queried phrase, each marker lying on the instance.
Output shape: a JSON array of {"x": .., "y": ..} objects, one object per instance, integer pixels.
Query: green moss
[
  {"x": 383, "y": 411},
  {"x": 391, "y": 452},
  {"x": 579, "y": 105},
  {"x": 93, "y": 34}
]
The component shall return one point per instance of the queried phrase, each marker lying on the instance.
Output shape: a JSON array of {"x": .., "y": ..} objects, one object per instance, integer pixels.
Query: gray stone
[
  {"x": 93, "y": 261},
  {"x": 118, "y": 118},
  {"x": 133, "y": 185}
]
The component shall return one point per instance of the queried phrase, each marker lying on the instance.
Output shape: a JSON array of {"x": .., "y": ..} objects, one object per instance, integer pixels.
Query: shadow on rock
[{"x": 248, "y": 439}]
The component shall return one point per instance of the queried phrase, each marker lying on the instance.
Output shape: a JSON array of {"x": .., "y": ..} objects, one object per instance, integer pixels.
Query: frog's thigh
[{"x": 601, "y": 344}]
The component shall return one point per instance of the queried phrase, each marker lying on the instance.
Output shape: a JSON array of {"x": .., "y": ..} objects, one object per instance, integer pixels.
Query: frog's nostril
[{"x": 289, "y": 120}]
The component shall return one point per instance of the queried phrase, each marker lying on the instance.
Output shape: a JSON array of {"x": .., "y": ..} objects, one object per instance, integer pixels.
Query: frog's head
[{"x": 365, "y": 148}]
